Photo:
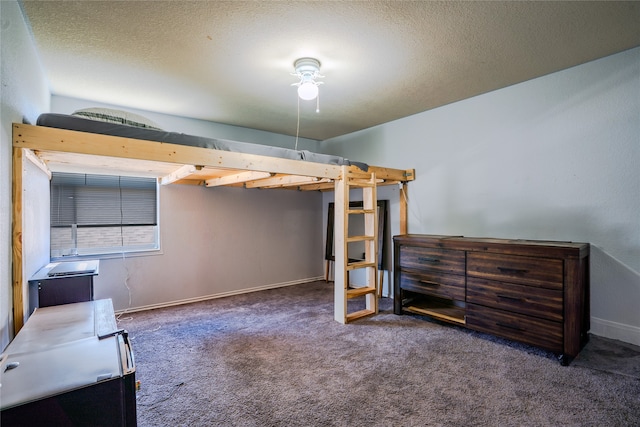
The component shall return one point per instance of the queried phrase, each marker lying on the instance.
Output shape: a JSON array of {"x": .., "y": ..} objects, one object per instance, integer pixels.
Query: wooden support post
[
  {"x": 404, "y": 227},
  {"x": 16, "y": 230},
  {"x": 340, "y": 277}
]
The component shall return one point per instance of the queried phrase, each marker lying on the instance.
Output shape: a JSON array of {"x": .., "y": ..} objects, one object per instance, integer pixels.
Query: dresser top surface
[{"x": 487, "y": 243}]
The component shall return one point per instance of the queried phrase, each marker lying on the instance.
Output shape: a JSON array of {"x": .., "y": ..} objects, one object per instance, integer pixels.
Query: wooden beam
[
  {"x": 387, "y": 183},
  {"x": 317, "y": 183},
  {"x": 392, "y": 174},
  {"x": 180, "y": 173},
  {"x": 16, "y": 237},
  {"x": 196, "y": 182},
  {"x": 68, "y": 141},
  {"x": 282, "y": 181},
  {"x": 322, "y": 186},
  {"x": 237, "y": 178},
  {"x": 103, "y": 165},
  {"x": 300, "y": 185},
  {"x": 30, "y": 155}
]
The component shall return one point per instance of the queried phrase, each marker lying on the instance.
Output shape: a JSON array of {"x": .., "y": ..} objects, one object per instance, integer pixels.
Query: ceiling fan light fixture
[
  {"x": 307, "y": 70},
  {"x": 308, "y": 91}
]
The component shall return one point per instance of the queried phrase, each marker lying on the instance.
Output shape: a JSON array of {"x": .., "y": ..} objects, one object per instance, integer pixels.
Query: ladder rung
[
  {"x": 358, "y": 314},
  {"x": 361, "y": 183},
  {"x": 357, "y": 292},
  {"x": 361, "y": 264},
  {"x": 367, "y": 180},
  {"x": 360, "y": 211},
  {"x": 359, "y": 238}
]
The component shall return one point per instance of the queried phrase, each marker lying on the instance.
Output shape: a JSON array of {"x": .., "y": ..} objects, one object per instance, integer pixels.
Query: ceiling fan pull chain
[{"x": 298, "y": 124}]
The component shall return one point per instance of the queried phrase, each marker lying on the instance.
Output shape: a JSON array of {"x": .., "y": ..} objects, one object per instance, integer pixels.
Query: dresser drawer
[
  {"x": 541, "y": 272},
  {"x": 529, "y": 300},
  {"x": 433, "y": 283},
  {"x": 432, "y": 259},
  {"x": 529, "y": 330}
]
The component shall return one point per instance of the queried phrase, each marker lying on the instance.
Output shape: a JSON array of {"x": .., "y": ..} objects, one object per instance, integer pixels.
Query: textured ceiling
[{"x": 229, "y": 61}]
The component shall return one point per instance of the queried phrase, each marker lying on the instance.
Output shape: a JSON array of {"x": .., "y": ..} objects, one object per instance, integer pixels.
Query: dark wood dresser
[{"x": 535, "y": 292}]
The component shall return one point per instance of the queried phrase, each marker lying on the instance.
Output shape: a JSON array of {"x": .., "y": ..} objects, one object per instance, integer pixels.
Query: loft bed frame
[{"x": 54, "y": 149}]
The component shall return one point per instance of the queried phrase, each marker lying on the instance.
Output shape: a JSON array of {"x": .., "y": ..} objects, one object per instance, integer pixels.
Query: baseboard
[
  {"x": 617, "y": 331},
  {"x": 218, "y": 295}
]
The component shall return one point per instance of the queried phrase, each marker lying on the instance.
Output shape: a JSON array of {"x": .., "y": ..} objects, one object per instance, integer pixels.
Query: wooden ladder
[{"x": 366, "y": 182}]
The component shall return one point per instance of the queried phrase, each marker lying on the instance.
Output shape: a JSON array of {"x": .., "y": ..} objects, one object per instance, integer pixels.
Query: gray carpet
[{"x": 277, "y": 358}]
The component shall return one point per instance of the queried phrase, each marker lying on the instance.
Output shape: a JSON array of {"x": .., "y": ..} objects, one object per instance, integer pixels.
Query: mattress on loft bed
[{"x": 71, "y": 122}]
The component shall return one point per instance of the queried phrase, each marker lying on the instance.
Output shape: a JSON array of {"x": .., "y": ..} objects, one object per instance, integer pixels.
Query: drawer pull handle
[
  {"x": 510, "y": 298},
  {"x": 427, "y": 259},
  {"x": 428, "y": 283},
  {"x": 513, "y": 270},
  {"x": 515, "y": 328}
]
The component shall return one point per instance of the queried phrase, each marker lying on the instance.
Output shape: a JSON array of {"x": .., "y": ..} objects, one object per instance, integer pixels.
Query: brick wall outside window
[{"x": 101, "y": 237}]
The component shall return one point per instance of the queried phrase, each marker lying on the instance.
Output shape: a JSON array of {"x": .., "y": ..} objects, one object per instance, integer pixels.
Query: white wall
[
  {"x": 220, "y": 241},
  {"x": 24, "y": 95},
  {"x": 553, "y": 158}
]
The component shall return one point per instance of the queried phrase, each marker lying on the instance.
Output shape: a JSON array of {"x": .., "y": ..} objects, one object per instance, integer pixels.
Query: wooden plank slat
[
  {"x": 352, "y": 239},
  {"x": 282, "y": 181},
  {"x": 180, "y": 173},
  {"x": 324, "y": 186},
  {"x": 361, "y": 264},
  {"x": 237, "y": 178},
  {"x": 361, "y": 211},
  {"x": 16, "y": 237},
  {"x": 445, "y": 313},
  {"x": 358, "y": 292},
  {"x": 319, "y": 182},
  {"x": 392, "y": 174},
  {"x": 388, "y": 182},
  {"x": 103, "y": 165},
  {"x": 359, "y": 315},
  {"x": 196, "y": 182}
]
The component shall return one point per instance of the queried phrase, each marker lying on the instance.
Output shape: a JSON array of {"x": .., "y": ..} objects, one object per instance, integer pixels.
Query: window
[{"x": 102, "y": 214}]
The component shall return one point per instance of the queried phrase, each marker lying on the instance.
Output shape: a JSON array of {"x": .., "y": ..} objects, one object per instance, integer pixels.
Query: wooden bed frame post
[
  {"x": 16, "y": 231},
  {"x": 404, "y": 228}
]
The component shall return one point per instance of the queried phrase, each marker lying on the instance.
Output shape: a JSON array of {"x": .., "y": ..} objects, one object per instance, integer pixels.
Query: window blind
[
  {"x": 102, "y": 214},
  {"x": 102, "y": 200}
]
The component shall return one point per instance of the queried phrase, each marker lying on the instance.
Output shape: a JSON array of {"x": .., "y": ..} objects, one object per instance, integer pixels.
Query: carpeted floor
[{"x": 277, "y": 358}]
